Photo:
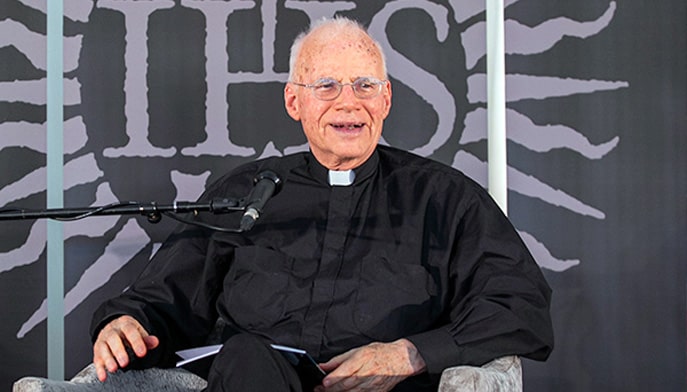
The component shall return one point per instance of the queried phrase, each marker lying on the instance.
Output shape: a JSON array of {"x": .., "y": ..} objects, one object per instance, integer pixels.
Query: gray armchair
[{"x": 502, "y": 375}]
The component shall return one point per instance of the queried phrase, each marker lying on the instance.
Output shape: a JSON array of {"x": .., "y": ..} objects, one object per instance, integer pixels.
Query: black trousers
[{"x": 247, "y": 363}]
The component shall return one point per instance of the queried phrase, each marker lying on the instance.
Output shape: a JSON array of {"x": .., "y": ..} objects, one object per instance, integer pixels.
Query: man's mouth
[{"x": 348, "y": 126}]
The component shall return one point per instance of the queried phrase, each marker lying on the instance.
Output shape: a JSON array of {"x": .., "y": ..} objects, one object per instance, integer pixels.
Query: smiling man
[
  {"x": 343, "y": 125},
  {"x": 386, "y": 267}
]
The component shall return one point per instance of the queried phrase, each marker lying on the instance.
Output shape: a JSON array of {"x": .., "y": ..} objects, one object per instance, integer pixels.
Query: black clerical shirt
[{"x": 412, "y": 249}]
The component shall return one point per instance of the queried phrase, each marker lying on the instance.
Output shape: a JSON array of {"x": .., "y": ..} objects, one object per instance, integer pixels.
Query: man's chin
[{"x": 352, "y": 159}]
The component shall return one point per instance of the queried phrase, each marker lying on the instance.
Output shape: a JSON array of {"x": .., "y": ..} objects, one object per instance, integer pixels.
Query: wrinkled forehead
[{"x": 345, "y": 50}]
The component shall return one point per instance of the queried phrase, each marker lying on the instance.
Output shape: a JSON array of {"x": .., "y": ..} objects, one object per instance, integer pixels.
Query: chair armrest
[
  {"x": 500, "y": 375},
  {"x": 154, "y": 379}
]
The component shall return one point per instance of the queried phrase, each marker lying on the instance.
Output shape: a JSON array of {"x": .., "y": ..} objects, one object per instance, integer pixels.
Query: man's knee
[{"x": 247, "y": 362}]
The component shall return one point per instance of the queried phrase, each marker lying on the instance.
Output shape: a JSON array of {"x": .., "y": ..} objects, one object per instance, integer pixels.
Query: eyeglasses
[{"x": 328, "y": 89}]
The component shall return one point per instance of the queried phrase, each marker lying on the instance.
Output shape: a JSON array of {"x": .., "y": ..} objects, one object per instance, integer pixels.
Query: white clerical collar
[{"x": 341, "y": 178}]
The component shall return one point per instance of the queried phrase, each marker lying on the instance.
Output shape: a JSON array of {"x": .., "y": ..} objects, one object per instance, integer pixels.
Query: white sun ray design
[{"x": 521, "y": 39}]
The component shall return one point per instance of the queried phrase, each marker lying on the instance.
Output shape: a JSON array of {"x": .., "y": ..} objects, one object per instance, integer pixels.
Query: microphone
[{"x": 267, "y": 184}]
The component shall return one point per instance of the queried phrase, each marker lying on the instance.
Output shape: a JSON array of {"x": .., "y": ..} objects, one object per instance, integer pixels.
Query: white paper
[
  {"x": 196, "y": 353},
  {"x": 287, "y": 348}
]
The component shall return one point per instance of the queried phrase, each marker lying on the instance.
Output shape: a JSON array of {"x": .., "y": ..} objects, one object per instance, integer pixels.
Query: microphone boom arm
[{"x": 152, "y": 210}]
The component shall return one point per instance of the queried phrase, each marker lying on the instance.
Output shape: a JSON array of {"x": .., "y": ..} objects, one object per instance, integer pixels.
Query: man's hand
[
  {"x": 375, "y": 367},
  {"x": 109, "y": 349}
]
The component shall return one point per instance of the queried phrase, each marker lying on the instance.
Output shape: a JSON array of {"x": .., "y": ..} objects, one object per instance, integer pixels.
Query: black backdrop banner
[{"x": 163, "y": 96}]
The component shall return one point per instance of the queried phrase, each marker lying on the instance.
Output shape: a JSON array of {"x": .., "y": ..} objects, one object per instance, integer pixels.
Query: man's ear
[{"x": 291, "y": 102}]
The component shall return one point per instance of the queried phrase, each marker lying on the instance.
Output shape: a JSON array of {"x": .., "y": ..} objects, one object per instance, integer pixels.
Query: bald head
[{"x": 328, "y": 34}]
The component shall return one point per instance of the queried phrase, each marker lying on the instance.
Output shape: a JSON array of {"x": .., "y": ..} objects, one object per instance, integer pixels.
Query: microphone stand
[
  {"x": 152, "y": 211},
  {"x": 266, "y": 184}
]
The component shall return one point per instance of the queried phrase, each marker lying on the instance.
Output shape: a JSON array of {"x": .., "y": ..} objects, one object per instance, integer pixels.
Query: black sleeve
[
  {"x": 178, "y": 312},
  {"x": 500, "y": 301},
  {"x": 175, "y": 296}
]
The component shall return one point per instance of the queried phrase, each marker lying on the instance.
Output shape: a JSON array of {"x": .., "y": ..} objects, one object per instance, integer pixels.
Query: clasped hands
[{"x": 374, "y": 367}]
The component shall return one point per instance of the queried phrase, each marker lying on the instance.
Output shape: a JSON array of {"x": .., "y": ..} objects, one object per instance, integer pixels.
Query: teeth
[{"x": 348, "y": 126}]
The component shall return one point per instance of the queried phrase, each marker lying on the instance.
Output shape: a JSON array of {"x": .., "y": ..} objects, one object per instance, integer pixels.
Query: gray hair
[{"x": 339, "y": 23}]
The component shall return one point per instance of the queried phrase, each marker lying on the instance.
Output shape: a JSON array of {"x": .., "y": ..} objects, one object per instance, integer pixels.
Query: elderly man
[{"x": 384, "y": 266}]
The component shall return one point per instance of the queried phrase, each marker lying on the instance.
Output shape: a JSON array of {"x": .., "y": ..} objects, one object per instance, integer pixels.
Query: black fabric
[
  {"x": 412, "y": 249},
  {"x": 247, "y": 363}
]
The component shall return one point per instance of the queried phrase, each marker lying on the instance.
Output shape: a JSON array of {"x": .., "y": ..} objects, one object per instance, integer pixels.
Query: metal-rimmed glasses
[{"x": 328, "y": 89}]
